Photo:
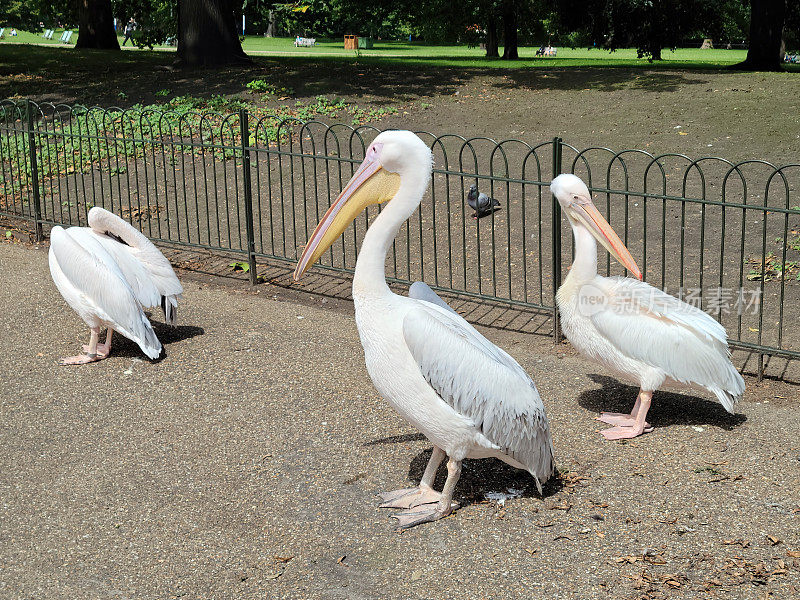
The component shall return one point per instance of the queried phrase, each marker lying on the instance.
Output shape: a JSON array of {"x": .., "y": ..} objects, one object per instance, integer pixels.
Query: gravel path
[{"x": 245, "y": 463}]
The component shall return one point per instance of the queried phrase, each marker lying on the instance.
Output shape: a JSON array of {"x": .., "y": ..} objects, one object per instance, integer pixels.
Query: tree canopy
[{"x": 650, "y": 26}]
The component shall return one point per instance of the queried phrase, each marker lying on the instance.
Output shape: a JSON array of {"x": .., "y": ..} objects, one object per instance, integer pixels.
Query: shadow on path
[
  {"x": 667, "y": 408},
  {"x": 125, "y": 348}
]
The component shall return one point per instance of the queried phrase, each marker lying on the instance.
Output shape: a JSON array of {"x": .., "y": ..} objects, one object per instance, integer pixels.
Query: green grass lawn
[
  {"x": 26, "y": 37},
  {"x": 462, "y": 56},
  {"x": 454, "y": 55}
]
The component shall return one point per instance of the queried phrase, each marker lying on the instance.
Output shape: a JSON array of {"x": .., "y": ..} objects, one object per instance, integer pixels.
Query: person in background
[{"x": 130, "y": 27}]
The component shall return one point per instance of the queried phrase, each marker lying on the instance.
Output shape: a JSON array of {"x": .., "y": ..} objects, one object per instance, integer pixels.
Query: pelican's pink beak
[
  {"x": 588, "y": 214},
  {"x": 370, "y": 184}
]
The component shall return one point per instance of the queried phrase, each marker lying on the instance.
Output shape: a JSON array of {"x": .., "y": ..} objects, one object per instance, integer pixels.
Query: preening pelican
[
  {"x": 466, "y": 395},
  {"x": 108, "y": 272},
  {"x": 634, "y": 329}
]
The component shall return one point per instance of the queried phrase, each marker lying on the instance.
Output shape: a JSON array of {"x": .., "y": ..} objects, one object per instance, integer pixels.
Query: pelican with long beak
[
  {"x": 466, "y": 395},
  {"x": 637, "y": 331}
]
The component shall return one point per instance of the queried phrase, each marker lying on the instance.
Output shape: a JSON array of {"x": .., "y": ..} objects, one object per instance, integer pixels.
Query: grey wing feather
[
  {"x": 482, "y": 383},
  {"x": 421, "y": 291}
]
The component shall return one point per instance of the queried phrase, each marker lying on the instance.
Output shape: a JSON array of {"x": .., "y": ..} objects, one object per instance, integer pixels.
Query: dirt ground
[
  {"x": 737, "y": 115},
  {"x": 245, "y": 463}
]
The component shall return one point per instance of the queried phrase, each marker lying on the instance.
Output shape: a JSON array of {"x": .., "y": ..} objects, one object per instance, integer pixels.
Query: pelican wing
[
  {"x": 653, "y": 327},
  {"x": 421, "y": 291},
  {"x": 134, "y": 272},
  {"x": 91, "y": 271},
  {"x": 142, "y": 249},
  {"x": 482, "y": 383}
]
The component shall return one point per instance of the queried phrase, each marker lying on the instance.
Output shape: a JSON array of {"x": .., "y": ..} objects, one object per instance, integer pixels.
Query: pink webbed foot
[
  {"x": 409, "y": 497},
  {"x": 624, "y": 433},
  {"x": 619, "y": 419},
  {"x": 80, "y": 359},
  {"x": 423, "y": 514},
  {"x": 102, "y": 350}
]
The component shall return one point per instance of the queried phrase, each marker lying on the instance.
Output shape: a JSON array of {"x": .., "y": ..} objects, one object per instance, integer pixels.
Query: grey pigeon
[{"x": 483, "y": 204}]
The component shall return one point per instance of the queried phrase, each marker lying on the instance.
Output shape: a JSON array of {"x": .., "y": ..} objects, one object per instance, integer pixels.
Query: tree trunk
[
  {"x": 491, "y": 38},
  {"x": 655, "y": 52},
  {"x": 510, "y": 42},
  {"x": 766, "y": 32},
  {"x": 207, "y": 33},
  {"x": 96, "y": 25},
  {"x": 271, "y": 27}
]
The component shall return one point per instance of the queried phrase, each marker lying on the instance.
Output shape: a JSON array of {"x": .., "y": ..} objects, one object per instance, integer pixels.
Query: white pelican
[
  {"x": 466, "y": 395},
  {"x": 634, "y": 329},
  {"x": 108, "y": 272}
]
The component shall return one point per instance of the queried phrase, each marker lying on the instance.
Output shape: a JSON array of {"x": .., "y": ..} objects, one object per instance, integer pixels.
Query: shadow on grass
[
  {"x": 127, "y": 78},
  {"x": 666, "y": 409}
]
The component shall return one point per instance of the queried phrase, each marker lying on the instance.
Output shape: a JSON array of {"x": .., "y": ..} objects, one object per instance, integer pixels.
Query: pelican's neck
[
  {"x": 370, "y": 276},
  {"x": 584, "y": 267}
]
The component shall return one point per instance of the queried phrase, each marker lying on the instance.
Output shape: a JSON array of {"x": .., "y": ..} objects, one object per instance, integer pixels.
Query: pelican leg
[
  {"x": 103, "y": 350},
  {"x": 433, "y": 512},
  {"x": 423, "y": 494},
  {"x": 91, "y": 352},
  {"x": 639, "y": 426},
  {"x": 622, "y": 419}
]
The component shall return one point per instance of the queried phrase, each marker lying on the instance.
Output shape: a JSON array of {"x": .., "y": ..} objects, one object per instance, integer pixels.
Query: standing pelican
[
  {"x": 634, "y": 329},
  {"x": 108, "y": 272},
  {"x": 466, "y": 395}
]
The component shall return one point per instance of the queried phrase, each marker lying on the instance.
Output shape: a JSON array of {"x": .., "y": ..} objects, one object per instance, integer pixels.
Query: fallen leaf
[
  {"x": 531, "y": 551},
  {"x": 283, "y": 559},
  {"x": 416, "y": 575},
  {"x": 742, "y": 543},
  {"x": 273, "y": 576},
  {"x": 793, "y": 553},
  {"x": 773, "y": 540}
]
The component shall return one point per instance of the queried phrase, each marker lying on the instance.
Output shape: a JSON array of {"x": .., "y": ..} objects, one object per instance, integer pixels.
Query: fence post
[
  {"x": 556, "y": 216},
  {"x": 37, "y": 200},
  {"x": 248, "y": 195}
]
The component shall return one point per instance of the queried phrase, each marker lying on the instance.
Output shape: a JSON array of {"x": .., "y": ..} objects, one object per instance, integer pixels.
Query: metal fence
[{"x": 721, "y": 234}]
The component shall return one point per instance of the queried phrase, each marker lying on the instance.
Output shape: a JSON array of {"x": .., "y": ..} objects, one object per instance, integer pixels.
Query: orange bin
[{"x": 350, "y": 42}]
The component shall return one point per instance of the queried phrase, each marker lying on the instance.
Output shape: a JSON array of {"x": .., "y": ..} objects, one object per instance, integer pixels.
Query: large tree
[
  {"x": 207, "y": 33},
  {"x": 650, "y": 26},
  {"x": 96, "y": 25},
  {"x": 492, "y": 43},
  {"x": 510, "y": 37},
  {"x": 767, "y": 18}
]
